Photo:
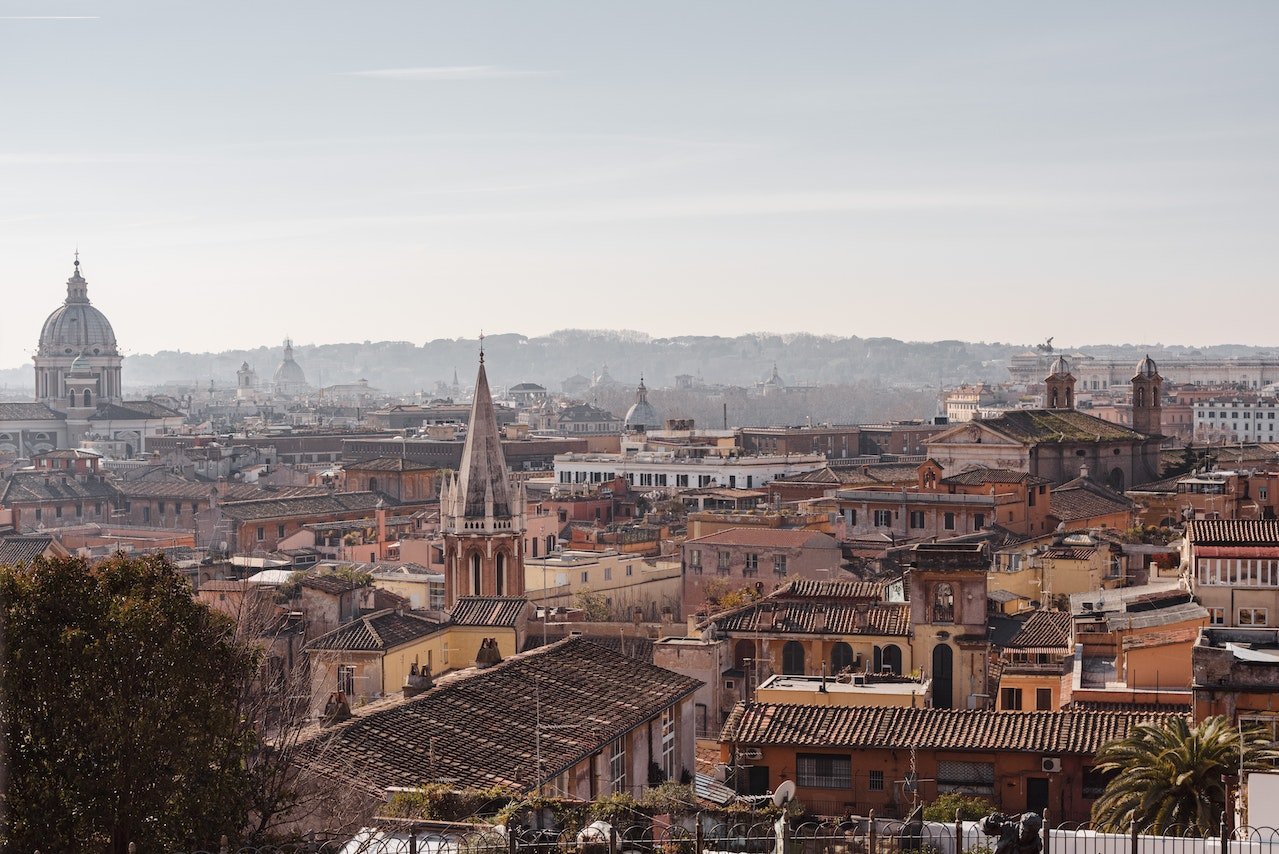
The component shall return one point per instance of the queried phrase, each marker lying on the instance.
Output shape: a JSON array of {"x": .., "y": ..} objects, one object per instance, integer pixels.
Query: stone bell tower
[{"x": 482, "y": 512}]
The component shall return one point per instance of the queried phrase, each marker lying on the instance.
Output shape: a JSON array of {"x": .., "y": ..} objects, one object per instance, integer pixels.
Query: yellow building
[
  {"x": 626, "y": 581},
  {"x": 1036, "y": 664},
  {"x": 849, "y": 689},
  {"x": 371, "y": 657},
  {"x": 1059, "y": 565}
]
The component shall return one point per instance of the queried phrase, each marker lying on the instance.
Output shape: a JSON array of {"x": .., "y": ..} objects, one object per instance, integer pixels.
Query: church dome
[
  {"x": 1147, "y": 368},
  {"x": 289, "y": 376},
  {"x": 641, "y": 415},
  {"x": 1060, "y": 367},
  {"x": 76, "y": 327}
]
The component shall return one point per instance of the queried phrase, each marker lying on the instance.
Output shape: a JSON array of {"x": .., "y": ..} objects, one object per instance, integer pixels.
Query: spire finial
[
  {"x": 481, "y": 346},
  {"x": 77, "y": 258}
]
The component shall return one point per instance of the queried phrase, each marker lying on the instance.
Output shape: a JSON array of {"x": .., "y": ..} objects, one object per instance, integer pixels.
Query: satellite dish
[{"x": 785, "y": 793}]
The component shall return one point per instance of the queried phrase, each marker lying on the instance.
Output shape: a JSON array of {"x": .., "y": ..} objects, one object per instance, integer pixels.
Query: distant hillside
[{"x": 401, "y": 367}]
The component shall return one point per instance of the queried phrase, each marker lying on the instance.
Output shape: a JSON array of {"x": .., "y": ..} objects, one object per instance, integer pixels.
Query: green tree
[
  {"x": 1169, "y": 774},
  {"x": 970, "y": 808},
  {"x": 119, "y": 699},
  {"x": 593, "y": 605}
]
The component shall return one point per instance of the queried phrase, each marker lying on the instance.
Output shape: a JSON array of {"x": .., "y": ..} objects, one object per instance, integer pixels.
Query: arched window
[
  {"x": 1117, "y": 479},
  {"x": 892, "y": 660},
  {"x": 841, "y": 657},
  {"x": 742, "y": 651},
  {"x": 501, "y": 574},
  {"x": 475, "y": 573},
  {"x": 88, "y": 398},
  {"x": 793, "y": 659},
  {"x": 71, "y": 398},
  {"x": 944, "y": 604},
  {"x": 1141, "y": 396},
  {"x": 373, "y": 484}
]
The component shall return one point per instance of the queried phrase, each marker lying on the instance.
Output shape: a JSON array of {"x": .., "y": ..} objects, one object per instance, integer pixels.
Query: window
[
  {"x": 279, "y": 531},
  {"x": 979, "y": 521},
  {"x": 617, "y": 765},
  {"x": 817, "y": 771},
  {"x": 883, "y": 518},
  {"x": 944, "y": 604},
  {"x": 850, "y": 516},
  {"x": 948, "y": 521},
  {"x": 1010, "y": 699},
  {"x": 695, "y": 560},
  {"x": 668, "y": 743},
  {"x": 585, "y": 577},
  {"x": 917, "y": 518},
  {"x": 1253, "y": 616},
  {"x": 976, "y": 778},
  {"x": 793, "y": 659},
  {"x": 608, "y": 573},
  {"x": 1217, "y": 616},
  {"x": 725, "y": 561},
  {"x": 752, "y": 564},
  {"x": 346, "y": 679},
  {"x": 261, "y": 530},
  {"x": 630, "y": 570},
  {"x": 875, "y": 781},
  {"x": 779, "y": 565},
  {"x": 1043, "y": 699}
]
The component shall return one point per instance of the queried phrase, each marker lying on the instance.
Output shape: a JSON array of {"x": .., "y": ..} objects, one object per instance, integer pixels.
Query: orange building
[
  {"x": 939, "y": 507},
  {"x": 851, "y": 760}
]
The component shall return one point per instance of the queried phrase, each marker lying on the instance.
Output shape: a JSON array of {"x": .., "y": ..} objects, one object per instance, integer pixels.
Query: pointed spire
[{"x": 483, "y": 482}]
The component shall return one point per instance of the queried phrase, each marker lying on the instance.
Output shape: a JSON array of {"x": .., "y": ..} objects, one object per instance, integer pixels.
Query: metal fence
[{"x": 705, "y": 835}]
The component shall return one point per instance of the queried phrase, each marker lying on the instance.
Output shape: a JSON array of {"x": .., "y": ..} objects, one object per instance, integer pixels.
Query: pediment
[{"x": 971, "y": 433}]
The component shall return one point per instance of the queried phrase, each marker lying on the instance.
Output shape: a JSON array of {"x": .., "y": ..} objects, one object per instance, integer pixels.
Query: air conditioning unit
[
  {"x": 752, "y": 754},
  {"x": 1051, "y": 765}
]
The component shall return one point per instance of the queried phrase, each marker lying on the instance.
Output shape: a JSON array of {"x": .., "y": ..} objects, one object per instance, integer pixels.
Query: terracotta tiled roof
[
  {"x": 854, "y": 589},
  {"x": 876, "y": 473},
  {"x": 1233, "y": 532},
  {"x": 1074, "y": 732},
  {"x": 133, "y": 410},
  {"x": 22, "y": 550},
  {"x": 1083, "y": 498},
  {"x": 1145, "y": 708},
  {"x": 329, "y": 583},
  {"x": 476, "y": 728},
  {"x": 1044, "y": 630},
  {"x": 777, "y": 538},
  {"x": 379, "y": 631},
  {"x": 41, "y": 486},
  {"x": 301, "y": 505},
  {"x": 488, "y": 610},
  {"x": 979, "y": 476},
  {"x": 398, "y": 464},
  {"x": 29, "y": 412},
  {"x": 639, "y": 648},
  {"x": 802, "y": 617},
  {"x": 1046, "y": 426}
]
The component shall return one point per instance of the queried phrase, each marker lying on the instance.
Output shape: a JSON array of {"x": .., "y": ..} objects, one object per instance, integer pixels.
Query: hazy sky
[{"x": 236, "y": 171}]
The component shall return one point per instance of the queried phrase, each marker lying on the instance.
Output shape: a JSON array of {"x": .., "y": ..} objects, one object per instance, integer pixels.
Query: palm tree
[{"x": 1170, "y": 775}]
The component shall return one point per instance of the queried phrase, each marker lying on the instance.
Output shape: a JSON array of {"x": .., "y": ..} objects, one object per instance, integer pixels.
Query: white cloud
[{"x": 448, "y": 72}]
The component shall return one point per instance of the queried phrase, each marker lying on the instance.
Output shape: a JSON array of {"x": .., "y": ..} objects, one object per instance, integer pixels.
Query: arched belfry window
[
  {"x": 944, "y": 604},
  {"x": 475, "y": 573},
  {"x": 501, "y": 574}
]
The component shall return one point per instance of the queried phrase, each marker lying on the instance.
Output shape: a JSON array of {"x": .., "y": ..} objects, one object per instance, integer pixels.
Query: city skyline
[{"x": 342, "y": 177}]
